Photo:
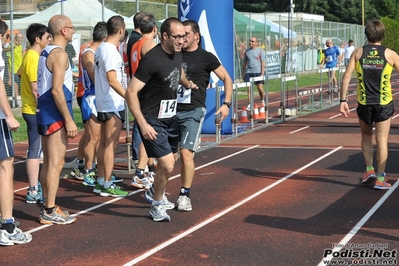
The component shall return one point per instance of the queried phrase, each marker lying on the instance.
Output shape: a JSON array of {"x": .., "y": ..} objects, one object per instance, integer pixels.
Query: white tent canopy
[
  {"x": 274, "y": 27},
  {"x": 83, "y": 14}
]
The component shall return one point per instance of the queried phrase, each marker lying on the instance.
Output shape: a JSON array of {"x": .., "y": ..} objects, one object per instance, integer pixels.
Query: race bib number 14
[{"x": 167, "y": 108}]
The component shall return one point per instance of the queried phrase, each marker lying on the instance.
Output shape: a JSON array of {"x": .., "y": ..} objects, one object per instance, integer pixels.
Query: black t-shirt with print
[
  {"x": 161, "y": 72},
  {"x": 198, "y": 66}
]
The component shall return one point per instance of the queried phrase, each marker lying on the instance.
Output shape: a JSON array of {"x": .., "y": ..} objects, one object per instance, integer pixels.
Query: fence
[{"x": 292, "y": 42}]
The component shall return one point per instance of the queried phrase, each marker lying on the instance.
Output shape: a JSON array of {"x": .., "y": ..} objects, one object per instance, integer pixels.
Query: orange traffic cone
[
  {"x": 256, "y": 112},
  {"x": 244, "y": 115},
  {"x": 262, "y": 113}
]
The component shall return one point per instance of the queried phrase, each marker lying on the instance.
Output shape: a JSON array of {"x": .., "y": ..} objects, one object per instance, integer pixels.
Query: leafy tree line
[{"x": 346, "y": 11}]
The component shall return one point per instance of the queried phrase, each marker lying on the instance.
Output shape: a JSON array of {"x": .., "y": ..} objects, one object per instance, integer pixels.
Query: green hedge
[{"x": 391, "y": 33}]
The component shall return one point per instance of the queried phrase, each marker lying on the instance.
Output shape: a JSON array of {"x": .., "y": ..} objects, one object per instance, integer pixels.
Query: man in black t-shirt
[
  {"x": 151, "y": 97},
  {"x": 134, "y": 37},
  {"x": 198, "y": 65}
]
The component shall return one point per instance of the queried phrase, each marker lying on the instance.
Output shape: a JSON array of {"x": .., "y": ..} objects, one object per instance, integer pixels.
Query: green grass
[
  {"x": 22, "y": 135},
  {"x": 304, "y": 80}
]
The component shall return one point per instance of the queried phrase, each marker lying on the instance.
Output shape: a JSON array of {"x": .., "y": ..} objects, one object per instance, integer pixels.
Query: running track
[{"x": 280, "y": 195}]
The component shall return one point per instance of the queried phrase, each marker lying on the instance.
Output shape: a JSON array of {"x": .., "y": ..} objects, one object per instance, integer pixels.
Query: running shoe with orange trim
[
  {"x": 382, "y": 184},
  {"x": 369, "y": 177},
  {"x": 56, "y": 217}
]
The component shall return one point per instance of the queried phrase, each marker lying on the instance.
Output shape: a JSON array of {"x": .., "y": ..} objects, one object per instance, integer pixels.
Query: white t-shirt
[
  {"x": 349, "y": 50},
  {"x": 107, "y": 58}
]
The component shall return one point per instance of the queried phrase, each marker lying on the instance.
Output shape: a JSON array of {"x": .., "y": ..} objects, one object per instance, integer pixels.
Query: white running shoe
[
  {"x": 184, "y": 204},
  {"x": 158, "y": 213},
  {"x": 16, "y": 237},
  {"x": 141, "y": 182},
  {"x": 149, "y": 196}
]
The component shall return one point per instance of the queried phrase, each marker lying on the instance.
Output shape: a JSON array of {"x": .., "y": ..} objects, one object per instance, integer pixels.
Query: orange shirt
[{"x": 136, "y": 54}]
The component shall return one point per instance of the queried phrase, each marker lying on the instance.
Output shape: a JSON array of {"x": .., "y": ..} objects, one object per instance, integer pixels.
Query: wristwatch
[{"x": 228, "y": 104}]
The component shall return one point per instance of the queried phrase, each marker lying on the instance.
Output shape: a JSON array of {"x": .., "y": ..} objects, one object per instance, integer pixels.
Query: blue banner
[{"x": 216, "y": 26}]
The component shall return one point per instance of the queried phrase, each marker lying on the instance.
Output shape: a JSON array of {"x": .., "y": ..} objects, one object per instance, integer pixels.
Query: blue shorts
[
  {"x": 252, "y": 75},
  {"x": 88, "y": 107},
  {"x": 167, "y": 138},
  {"x": 6, "y": 143},
  {"x": 35, "y": 145},
  {"x": 190, "y": 126}
]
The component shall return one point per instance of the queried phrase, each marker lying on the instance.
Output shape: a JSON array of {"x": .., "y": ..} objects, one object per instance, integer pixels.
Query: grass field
[{"x": 21, "y": 134}]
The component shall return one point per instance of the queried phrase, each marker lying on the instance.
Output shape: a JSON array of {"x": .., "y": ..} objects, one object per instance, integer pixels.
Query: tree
[
  {"x": 250, "y": 6},
  {"x": 391, "y": 32}
]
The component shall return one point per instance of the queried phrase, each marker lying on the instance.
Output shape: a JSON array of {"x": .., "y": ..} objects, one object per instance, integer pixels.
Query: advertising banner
[{"x": 216, "y": 26}]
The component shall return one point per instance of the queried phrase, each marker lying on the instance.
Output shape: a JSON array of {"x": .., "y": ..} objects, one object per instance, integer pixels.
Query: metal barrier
[
  {"x": 286, "y": 110},
  {"x": 330, "y": 89},
  {"x": 311, "y": 106}
]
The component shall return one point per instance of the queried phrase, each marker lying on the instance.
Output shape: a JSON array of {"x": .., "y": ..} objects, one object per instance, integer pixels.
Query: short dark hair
[
  {"x": 194, "y": 27},
  {"x": 193, "y": 24},
  {"x": 165, "y": 27},
  {"x": 114, "y": 24},
  {"x": 100, "y": 31},
  {"x": 35, "y": 30},
  {"x": 350, "y": 41},
  {"x": 147, "y": 24},
  {"x": 3, "y": 27},
  {"x": 137, "y": 17},
  {"x": 375, "y": 31}
]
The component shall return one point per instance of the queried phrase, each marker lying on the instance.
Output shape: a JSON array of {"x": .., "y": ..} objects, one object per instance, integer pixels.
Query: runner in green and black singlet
[
  {"x": 374, "y": 76},
  {"x": 374, "y": 64}
]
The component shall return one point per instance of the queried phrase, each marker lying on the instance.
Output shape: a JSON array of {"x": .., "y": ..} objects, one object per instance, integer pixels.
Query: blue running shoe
[
  {"x": 116, "y": 179},
  {"x": 89, "y": 179}
]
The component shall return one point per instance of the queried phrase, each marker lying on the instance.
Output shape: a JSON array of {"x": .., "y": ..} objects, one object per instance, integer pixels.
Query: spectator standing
[
  {"x": 18, "y": 55},
  {"x": 78, "y": 170},
  {"x": 374, "y": 64},
  {"x": 148, "y": 29},
  {"x": 3, "y": 39},
  {"x": 110, "y": 94},
  {"x": 254, "y": 66},
  {"x": 9, "y": 233},
  {"x": 348, "y": 51},
  {"x": 39, "y": 37},
  {"x": 54, "y": 115},
  {"x": 89, "y": 110},
  {"x": 134, "y": 37}
]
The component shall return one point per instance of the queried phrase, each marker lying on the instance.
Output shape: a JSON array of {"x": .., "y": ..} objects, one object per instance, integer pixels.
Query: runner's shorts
[
  {"x": 105, "y": 116},
  {"x": 167, "y": 138},
  {"x": 88, "y": 107},
  {"x": 190, "y": 126},
  {"x": 6, "y": 144},
  {"x": 375, "y": 113},
  {"x": 250, "y": 75}
]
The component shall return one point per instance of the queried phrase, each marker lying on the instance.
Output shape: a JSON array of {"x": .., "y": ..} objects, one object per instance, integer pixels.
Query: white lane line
[
  {"x": 359, "y": 225},
  {"x": 23, "y": 161},
  {"x": 395, "y": 116},
  {"x": 140, "y": 190},
  {"x": 220, "y": 214},
  {"x": 295, "y": 131}
]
